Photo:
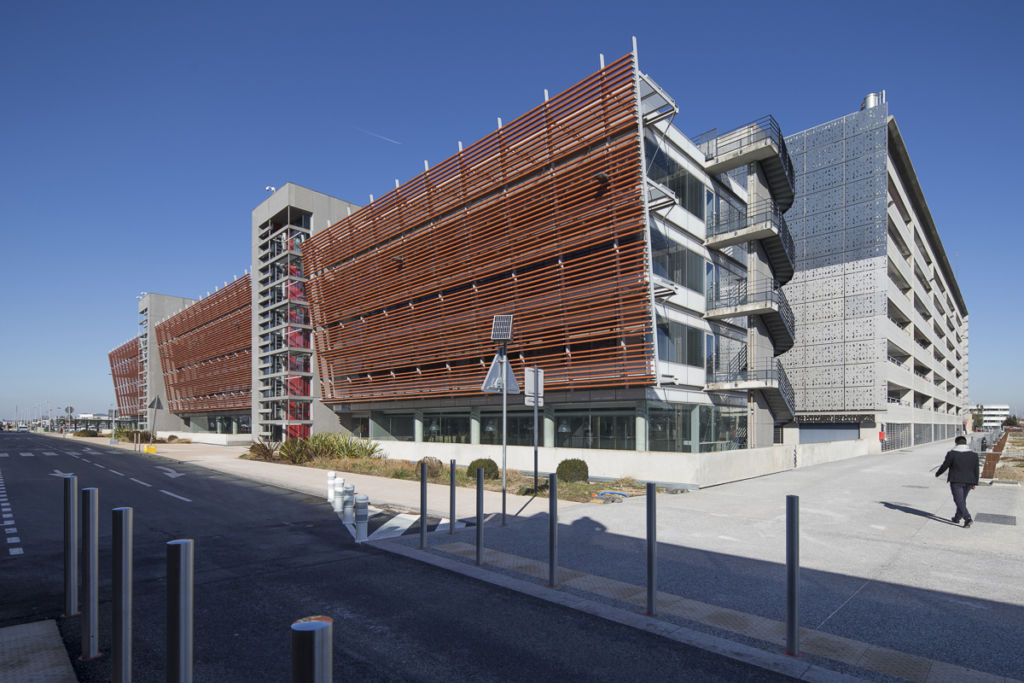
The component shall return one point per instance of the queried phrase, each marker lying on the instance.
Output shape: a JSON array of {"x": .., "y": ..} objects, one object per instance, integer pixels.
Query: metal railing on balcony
[
  {"x": 760, "y": 212},
  {"x": 714, "y": 144},
  {"x": 738, "y": 295},
  {"x": 768, "y": 372}
]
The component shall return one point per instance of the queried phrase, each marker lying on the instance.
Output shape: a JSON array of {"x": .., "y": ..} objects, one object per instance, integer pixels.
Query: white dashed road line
[
  {"x": 137, "y": 481},
  {"x": 4, "y": 455},
  {"x": 116, "y": 472},
  {"x": 13, "y": 541},
  {"x": 88, "y": 461},
  {"x": 175, "y": 495},
  {"x": 27, "y": 455},
  {"x": 96, "y": 464},
  {"x": 49, "y": 453}
]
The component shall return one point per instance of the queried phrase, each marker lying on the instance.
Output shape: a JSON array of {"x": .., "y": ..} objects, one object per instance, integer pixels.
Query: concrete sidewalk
[{"x": 890, "y": 589}]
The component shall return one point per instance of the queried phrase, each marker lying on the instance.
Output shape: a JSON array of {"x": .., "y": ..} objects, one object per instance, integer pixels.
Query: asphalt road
[{"x": 266, "y": 557}]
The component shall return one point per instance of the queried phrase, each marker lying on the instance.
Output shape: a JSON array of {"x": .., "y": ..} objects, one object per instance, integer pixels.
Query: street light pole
[{"x": 504, "y": 423}]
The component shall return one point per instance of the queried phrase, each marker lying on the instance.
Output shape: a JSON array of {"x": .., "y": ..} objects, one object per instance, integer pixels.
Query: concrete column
[
  {"x": 234, "y": 425},
  {"x": 549, "y": 427},
  {"x": 695, "y": 430},
  {"x": 641, "y": 428},
  {"x": 474, "y": 425},
  {"x": 417, "y": 426}
]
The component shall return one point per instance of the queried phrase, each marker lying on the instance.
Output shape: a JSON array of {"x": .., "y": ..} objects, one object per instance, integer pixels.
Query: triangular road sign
[
  {"x": 493, "y": 384},
  {"x": 155, "y": 404}
]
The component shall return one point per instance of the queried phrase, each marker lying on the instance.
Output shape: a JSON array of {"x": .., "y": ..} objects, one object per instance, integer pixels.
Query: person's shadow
[{"x": 914, "y": 511}]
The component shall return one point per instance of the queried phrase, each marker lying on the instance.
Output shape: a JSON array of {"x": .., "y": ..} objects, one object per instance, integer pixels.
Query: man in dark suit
[{"x": 962, "y": 464}]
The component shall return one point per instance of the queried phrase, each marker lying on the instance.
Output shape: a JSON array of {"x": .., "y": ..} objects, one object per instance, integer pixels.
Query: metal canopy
[{"x": 501, "y": 328}]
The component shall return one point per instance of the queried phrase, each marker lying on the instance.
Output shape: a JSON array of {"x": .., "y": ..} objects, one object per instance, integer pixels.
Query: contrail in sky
[{"x": 377, "y": 135}]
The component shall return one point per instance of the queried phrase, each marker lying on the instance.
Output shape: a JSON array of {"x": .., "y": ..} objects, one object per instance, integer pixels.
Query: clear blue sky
[{"x": 136, "y": 137}]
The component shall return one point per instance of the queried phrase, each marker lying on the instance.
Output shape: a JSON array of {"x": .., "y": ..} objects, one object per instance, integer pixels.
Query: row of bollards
[
  {"x": 354, "y": 509},
  {"x": 179, "y": 585},
  {"x": 792, "y": 544},
  {"x": 311, "y": 637}
]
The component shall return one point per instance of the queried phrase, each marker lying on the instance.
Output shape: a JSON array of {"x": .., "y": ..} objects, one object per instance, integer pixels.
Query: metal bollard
[
  {"x": 348, "y": 499},
  {"x": 348, "y": 508},
  {"x": 423, "y": 504},
  {"x": 330, "y": 486},
  {"x": 121, "y": 647},
  {"x": 312, "y": 639},
  {"x": 362, "y": 507},
  {"x": 70, "y": 545},
  {"x": 90, "y": 573},
  {"x": 451, "y": 502},
  {"x": 793, "y": 575},
  {"x": 180, "y": 576},
  {"x": 479, "y": 516},
  {"x": 652, "y": 549},
  {"x": 553, "y": 530},
  {"x": 338, "y": 504}
]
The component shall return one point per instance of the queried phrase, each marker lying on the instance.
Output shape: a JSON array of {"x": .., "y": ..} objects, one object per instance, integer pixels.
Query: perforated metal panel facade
[{"x": 838, "y": 294}]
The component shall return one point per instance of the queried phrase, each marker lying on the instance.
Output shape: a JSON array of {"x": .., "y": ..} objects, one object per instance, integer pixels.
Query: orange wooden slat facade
[
  {"x": 205, "y": 352},
  {"x": 124, "y": 368},
  {"x": 543, "y": 218}
]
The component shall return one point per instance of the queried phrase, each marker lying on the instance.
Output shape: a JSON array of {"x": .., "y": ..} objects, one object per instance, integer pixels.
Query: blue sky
[{"x": 136, "y": 138}]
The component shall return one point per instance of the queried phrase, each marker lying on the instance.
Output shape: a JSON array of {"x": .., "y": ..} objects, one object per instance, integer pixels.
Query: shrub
[
  {"x": 434, "y": 467},
  {"x": 124, "y": 433},
  {"x": 324, "y": 446},
  {"x": 295, "y": 451},
  {"x": 264, "y": 449},
  {"x": 491, "y": 470},
  {"x": 86, "y": 432},
  {"x": 172, "y": 438},
  {"x": 354, "y": 447},
  {"x": 573, "y": 469}
]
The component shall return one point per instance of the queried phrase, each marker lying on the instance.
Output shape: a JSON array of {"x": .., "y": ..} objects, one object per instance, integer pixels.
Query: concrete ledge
[{"x": 34, "y": 653}]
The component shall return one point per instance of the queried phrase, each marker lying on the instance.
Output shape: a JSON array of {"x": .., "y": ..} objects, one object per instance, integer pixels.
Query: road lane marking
[
  {"x": 138, "y": 481},
  {"x": 4, "y": 455},
  {"x": 50, "y": 453},
  {"x": 170, "y": 471},
  {"x": 175, "y": 495},
  {"x": 12, "y": 540},
  {"x": 8, "y": 515},
  {"x": 74, "y": 456},
  {"x": 88, "y": 461},
  {"x": 27, "y": 455},
  {"x": 117, "y": 473},
  {"x": 12, "y": 530},
  {"x": 17, "y": 551},
  {"x": 96, "y": 464}
]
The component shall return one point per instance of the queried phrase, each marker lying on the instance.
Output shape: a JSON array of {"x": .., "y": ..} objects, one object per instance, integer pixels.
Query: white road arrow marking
[
  {"x": 170, "y": 472},
  {"x": 58, "y": 473}
]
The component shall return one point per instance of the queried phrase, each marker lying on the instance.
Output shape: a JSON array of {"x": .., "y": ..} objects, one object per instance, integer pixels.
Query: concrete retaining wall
[{"x": 702, "y": 469}]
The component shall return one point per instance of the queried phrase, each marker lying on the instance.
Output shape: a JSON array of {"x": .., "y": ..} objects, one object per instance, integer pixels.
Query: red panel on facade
[
  {"x": 205, "y": 352},
  {"x": 543, "y": 219}
]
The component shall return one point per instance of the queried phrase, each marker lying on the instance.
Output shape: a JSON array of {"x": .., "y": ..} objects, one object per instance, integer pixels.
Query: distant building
[{"x": 993, "y": 415}]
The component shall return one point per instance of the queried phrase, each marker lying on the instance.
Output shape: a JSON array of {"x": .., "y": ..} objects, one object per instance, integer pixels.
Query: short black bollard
[
  {"x": 553, "y": 530},
  {"x": 90, "y": 573},
  {"x": 312, "y": 642},
  {"x": 451, "y": 502},
  {"x": 180, "y": 575},
  {"x": 652, "y": 549},
  {"x": 121, "y": 647},
  {"x": 793, "y": 575},
  {"x": 479, "y": 516},
  {"x": 423, "y": 504},
  {"x": 70, "y": 545}
]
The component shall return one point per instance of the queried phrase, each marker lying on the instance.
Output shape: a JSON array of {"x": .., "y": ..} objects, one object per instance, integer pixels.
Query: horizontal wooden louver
[
  {"x": 205, "y": 352},
  {"x": 543, "y": 218},
  {"x": 124, "y": 368}
]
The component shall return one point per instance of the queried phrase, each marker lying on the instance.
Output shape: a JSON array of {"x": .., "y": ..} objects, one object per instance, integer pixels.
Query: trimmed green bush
[
  {"x": 491, "y": 470},
  {"x": 573, "y": 469},
  {"x": 87, "y": 432}
]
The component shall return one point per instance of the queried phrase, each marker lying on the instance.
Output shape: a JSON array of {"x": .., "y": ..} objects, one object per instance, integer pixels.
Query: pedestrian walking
[{"x": 962, "y": 464}]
